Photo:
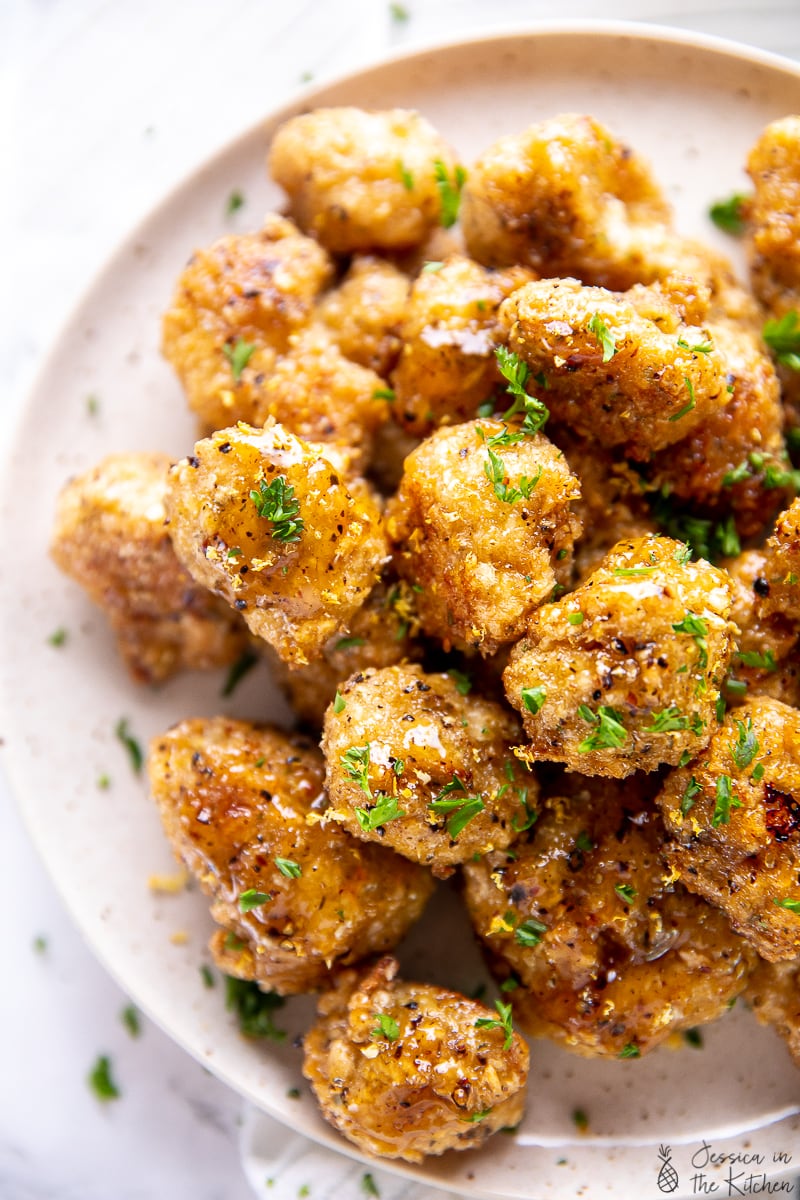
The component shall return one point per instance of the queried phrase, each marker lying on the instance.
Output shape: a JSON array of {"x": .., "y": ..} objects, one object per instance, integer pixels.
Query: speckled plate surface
[{"x": 693, "y": 107}]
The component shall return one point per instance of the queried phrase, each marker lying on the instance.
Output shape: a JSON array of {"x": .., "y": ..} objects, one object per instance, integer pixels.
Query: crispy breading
[
  {"x": 773, "y": 993},
  {"x": 778, "y": 588},
  {"x": 111, "y": 537},
  {"x": 295, "y": 585},
  {"x": 449, "y": 334},
  {"x": 773, "y": 216},
  {"x": 237, "y": 801},
  {"x": 765, "y": 662},
  {"x": 623, "y": 674},
  {"x": 437, "y": 762},
  {"x": 733, "y": 814},
  {"x": 483, "y": 525},
  {"x": 361, "y": 181},
  {"x": 405, "y": 1070},
  {"x": 365, "y": 311},
  {"x": 234, "y": 309},
  {"x": 608, "y": 951}
]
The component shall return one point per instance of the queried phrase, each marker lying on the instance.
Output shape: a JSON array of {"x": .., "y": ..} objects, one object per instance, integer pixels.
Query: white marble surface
[{"x": 104, "y": 104}]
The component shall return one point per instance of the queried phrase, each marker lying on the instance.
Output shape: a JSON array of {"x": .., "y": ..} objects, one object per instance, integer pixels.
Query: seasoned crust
[
  {"x": 440, "y": 1084},
  {"x": 734, "y": 819},
  {"x": 608, "y": 951},
  {"x": 235, "y": 799},
  {"x": 294, "y": 591},
  {"x": 773, "y": 993},
  {"x": 110, "y": 536},
  {"x": 604, "y": 680},
  {"x": 773, "y": 216},
  {"x": 483, "y": 554},
  {"x": 361, "y": 181},
  {"x": 778, "y": 592},
  {"x": 411, "y": 739},
  {"x": 364, "y": 313}
]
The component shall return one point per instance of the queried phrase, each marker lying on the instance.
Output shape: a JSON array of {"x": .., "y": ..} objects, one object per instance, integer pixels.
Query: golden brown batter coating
[
  {"x": 110, "y": 536},
  {"x": 773, "y": 216},
  {"x": 619, "y": 369},
  {"x": 778, "y": 587},
  {"x": 361, "y": 181},
  {"x": 773, "y": 993},
  {"x": 764, "y": 663},
  {"x": 404, "y": 1070},
  {"x": 300, "y": 558},
  {"x": 484, "y": 528},
  {"x": 734, "y": 817},
  {"x": 239, "y": 806},
  {"x": 731, "y": 461},
  {"x": 611, "y": 955},
  {"x": 414, "y": 764},
  {"x": 624, "y": 673},
  {"x": 365, "y": 311},
  {"x": 321, "y": 396},
  {"x": 381, "y": 634},
  {"x": 449, "y": 334},
  {"x": 234, "y": 309}
]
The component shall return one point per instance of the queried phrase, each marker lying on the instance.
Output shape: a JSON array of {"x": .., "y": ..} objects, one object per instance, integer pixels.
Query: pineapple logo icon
[{"x": 667, "y": 1177}]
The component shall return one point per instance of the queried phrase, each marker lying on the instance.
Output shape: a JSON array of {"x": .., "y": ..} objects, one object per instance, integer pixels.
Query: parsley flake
[
  {"x": 348, "y": 643},
  {"x": 381, "y": 814},
  {"x": 253, "y": 1008},
  {"x": 406, "y": 176},
  {"x": 495, "y": 472},
  {"x": 356, "y": 764},
  {"x": 387, "y": 1028},
  {"x": 399, "y": 13},
  {"x": 339, "y": 702},
  {"x": 533, "y": 698},
  {"x": 693, "y": 789},
  {"x": 368, "y": 1185},
  {"x": 696, "y": 628},
  {"x": 610, "y": 733},
  {"x": 529, "y": 933},
  {"x": 790, "y": 905},
  {"x": 693, "y": 1037},
  {"x": 58, "y": 637},
  {"x": 276, "y": 502},
  {"x": 502, "y": 1021},
  {"x": 607, "y": 342},
  {"x": 130, "y": 743},
  {"x": 746, "y": 746},
  {"x": 726, "y": 799},
  {"x": 760, "y": 662},
  {"x": 130, "y": 1019},
  {"x": 783, "y": 338},
  {"x": 251, "y": 899},
  {"x": 699, "y": 347},
  {"x": 243, "y": 666},
  {"x": 100, "y": 1080},
  {"x": 630, "y": 1051},
  {"x": 289, "y": 868},
  {"x": 385, "y": 393},
  {"x": 238, "y": 355},
  {"x": 235, "y": 202},
  {"x": 449, "y": 193},
  {"x": 728, "y": 215},
  {"x": 207, "y": 975},
  {"x": 463, "y": 682},
  {"x": 461, "y": 809},
  {"x": 626, "y": 892},
  {"x": 690, "y": 403}
]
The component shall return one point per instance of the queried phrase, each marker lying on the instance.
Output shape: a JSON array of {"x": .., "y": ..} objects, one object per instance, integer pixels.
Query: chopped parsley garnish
[
  {"x": 780, "y": 477},
  {"x": 758, "y": 772},
  {"x": 583, "y": 842},
  {"x": 123, "y": 735},
  {"x": 339, "y": 702},
  {"x": 509, "y": 985},
  {"x": 699, "y": 347},
  {"x": 719, "y": 709},
  {"x": 697, "y": 628},
  {"x": 746, "y": 746},
  {"x": 58, "y": 637},
  {"x": 235, "y": 202},
  {"x": 406, "y": 176},
  {"x": 515, "y": 372},
  {"x": 479, "y": 1116},
  {"x": 575, "y": 618},
  {"x": 277, "y": 502},
  {"x": 104, "y": 782},
  {"x": 238, "y": 670},
  {"x": 399, "y": 13},
  {"x": 728, "y": 214},
  {"x": 633, "y": 572},
  {"x": 384, "y": 811},
  {"x": 690, "y": 403},
  {"x": 461, "y": 808},
  {"x": 253, "y": 899},
  {"x": 761, "y": 662},
  {"x": 626, "y": 892},
  {"x": 495, "y": 472},
  {"x": 368, "y": 1185},
  {"x": 356, "y": 764},
  {"x": 387, "y": 1028},
  {"x": 207, "y": 975},
  {"x": 449, "y": 193},
  {"x": 238, "y": 355},
  {"x": 289, "y": 868},
  {"x": 783, "y": 338},
  {"x": 100, "y": 1080},
  {"x": 385, "y": 393},
  {"x": 725, "y": 801},
  {"x": 533, "y": 698},
  {"x": 130, "y": 1019},
  {"x": 672, "y": 720},
  {"x": 580, "y": 1120},
  {"x": 348, "y": 643},
  {"x": 502, "y": 1021},
  {"x": 40, "y": 944},
  {"x": 253, "y": 1008},
  {"x": 682, "y": 555},
  {"x": 92, "y": 406},
  {"x": 737, "y": 475},
  {"x": 693, "y": 1037},
  {"x": 431, "y": 268},
  {"x": 531, "y": 815},
  {"x": 630, "y": 1051},
  {"x": 463, "y": 682},
  {"x": 529, "y": 933},
  {"x": 610, "y": 733},
  {"x": 693, "y": 789},
  {"x": 790, "y": 905},
  {"x": 706, "y": 538},
  {"x": 607, "y": 342}
]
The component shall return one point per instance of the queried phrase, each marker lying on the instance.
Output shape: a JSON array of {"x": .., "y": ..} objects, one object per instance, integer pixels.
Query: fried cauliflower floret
[
  {"x": 732, "y": 459},
  {"x": 483, "y": 526},
  {"x": 235, "y": 307},
  {"x": 623, "y": 674},
  {"x": 110, "y": 536},
  {"x": 240, "y": 806},
  {"x": 773, "y": 213},
  {"x": 764, "y": 663},
  {"x": 448, "y": 367},
  {"x": 618, "y": 369},
  {"x": 611, "y": 955},
  {"x": 360, "y": 181},
  {"x": 321, "y": 396},
  {"x": 734, "y": 819},
  {"x": 404, "y": 1070},
  {"x": 773, "y": 993},
  {"x": 415, "y": 765},
  {"x": 565, "y": 198},
  {"x": 364, "y": 313},
  {"x": 267, "y": 522},
  {"x": 381, "y": 634},
  {"x": 778, "y": 586}
]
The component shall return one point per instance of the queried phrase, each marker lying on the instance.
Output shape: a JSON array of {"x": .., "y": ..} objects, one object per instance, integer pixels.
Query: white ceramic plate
[{"x": 693, "y": 106}]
